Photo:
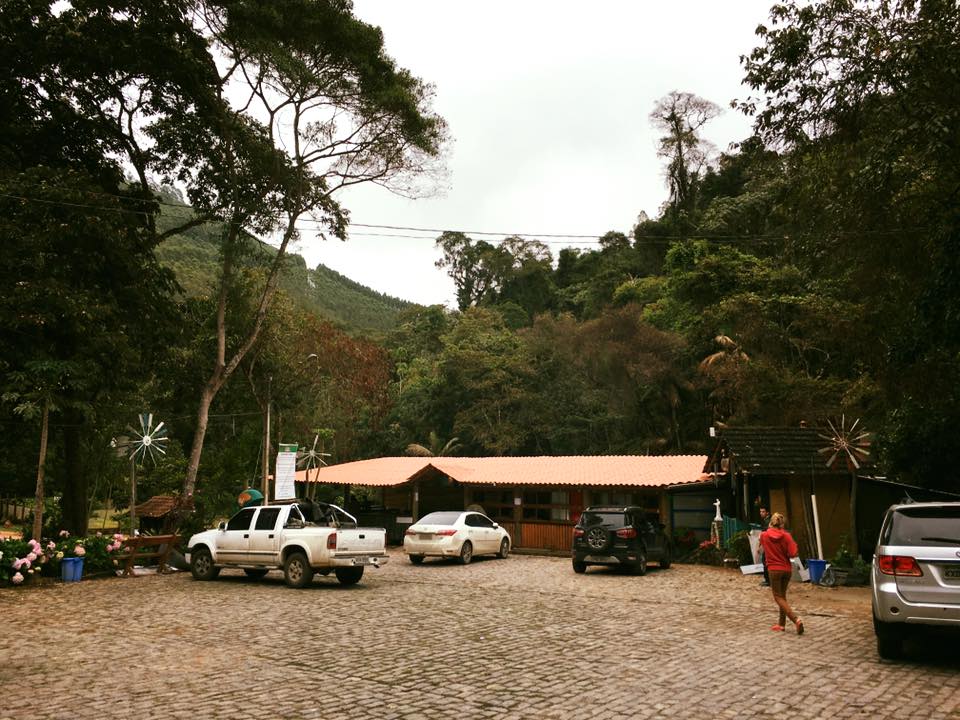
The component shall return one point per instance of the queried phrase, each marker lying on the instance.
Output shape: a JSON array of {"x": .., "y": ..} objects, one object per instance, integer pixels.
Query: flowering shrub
[
  {"x": 23, "y": 560},
  {"x": 707, "y": 553}
]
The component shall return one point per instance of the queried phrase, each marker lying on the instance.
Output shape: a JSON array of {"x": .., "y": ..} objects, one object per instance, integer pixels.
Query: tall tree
[
  {"x": 330, "y": 110},
  {"x": 680, "y": 116},
  {"x": 863, "y": 97}
]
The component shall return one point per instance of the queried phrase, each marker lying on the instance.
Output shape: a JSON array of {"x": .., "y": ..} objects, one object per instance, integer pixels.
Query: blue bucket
[
  {"x": 71, "y": 569},
  {"x": 816, "y": 568}
]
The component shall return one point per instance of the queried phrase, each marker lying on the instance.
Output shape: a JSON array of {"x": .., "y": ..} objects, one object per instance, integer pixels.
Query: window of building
[
  {"x": 549, "y": 505},
  {"x": 497, "y": 504}
]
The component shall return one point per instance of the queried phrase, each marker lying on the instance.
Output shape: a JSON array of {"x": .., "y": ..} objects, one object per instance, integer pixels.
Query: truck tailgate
[{"x": 361, "y": 540}]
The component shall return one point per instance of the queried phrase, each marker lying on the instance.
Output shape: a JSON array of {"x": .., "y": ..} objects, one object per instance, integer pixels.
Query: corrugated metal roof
[{"x": 576, "y": 470}]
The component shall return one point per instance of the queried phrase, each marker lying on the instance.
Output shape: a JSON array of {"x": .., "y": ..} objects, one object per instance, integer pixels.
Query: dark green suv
[{"x": 627, "y": 537}]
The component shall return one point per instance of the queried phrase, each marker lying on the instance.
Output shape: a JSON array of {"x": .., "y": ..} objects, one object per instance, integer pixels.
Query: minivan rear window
[{"x": 924, "y": 526}]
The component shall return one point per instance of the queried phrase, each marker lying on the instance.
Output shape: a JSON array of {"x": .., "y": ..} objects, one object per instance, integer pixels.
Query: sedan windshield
[
  {"x": 925, "y": 526},
  {"x": 439, "y": 518}
]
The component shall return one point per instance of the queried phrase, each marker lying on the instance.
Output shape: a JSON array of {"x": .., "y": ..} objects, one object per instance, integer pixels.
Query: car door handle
[
  {"x": 270, "y": 536},
  {"x": 246, "y": 535}
]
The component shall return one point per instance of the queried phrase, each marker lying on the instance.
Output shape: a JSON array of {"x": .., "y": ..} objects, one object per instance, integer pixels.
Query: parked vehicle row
[{"x": 304, "y": 538}]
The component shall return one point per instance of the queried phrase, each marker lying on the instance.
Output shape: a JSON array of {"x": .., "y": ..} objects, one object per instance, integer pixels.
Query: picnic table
[{"x": 143, "y": 547}]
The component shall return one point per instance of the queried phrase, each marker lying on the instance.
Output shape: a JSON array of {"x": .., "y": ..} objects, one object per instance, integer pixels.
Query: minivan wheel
[{"x": 889, "y": 640}]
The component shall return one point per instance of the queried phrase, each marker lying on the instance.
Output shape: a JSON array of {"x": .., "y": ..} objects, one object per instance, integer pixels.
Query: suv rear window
[
  {"x": 611, "y": 519},
  {"x": 923, "y": 526}
]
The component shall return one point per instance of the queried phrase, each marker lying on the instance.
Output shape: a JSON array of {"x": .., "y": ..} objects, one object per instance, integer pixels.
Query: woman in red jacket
[{"x": 778, "y": 548}]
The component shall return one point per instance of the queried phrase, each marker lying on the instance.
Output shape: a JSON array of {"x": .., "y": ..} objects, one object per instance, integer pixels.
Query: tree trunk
[
  {"x": 74, "y": 502},
  {"x": 38, "y": 503},
  {"x": 203, "y": 415},
  {"x": 223, "y": 369}
]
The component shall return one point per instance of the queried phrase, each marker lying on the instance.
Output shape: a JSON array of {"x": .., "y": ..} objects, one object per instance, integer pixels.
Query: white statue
[{"x": 718, "y": 517}]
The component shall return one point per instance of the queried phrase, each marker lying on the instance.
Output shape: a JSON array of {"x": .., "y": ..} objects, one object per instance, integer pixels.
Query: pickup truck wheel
[
  {"x": 255, "y": 573},
  {"x": 349, "y": 575},
  {"x": 504, "y": 549},
  {"x": 416, "y": 559},
  {"x": 297, "y": 571},
  {"x": 201, "y": 565},
  {"x": 466, "y": 552},
  {"x": 579, "y": 567}
]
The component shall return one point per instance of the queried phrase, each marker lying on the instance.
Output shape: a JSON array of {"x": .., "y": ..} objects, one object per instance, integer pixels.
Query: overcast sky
[{"x": 547, "y": 104}]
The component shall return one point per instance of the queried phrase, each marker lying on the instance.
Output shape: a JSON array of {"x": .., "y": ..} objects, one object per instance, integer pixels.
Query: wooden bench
[{"x": 142, "y": 547}]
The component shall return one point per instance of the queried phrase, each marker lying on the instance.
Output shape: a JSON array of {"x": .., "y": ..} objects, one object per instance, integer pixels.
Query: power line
[{"x": 584, "y": 239}]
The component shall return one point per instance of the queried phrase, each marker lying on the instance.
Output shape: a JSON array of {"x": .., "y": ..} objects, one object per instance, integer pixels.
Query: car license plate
[
  {"x": 952, "y": 572},
  {"x": 425, "y": 536}
]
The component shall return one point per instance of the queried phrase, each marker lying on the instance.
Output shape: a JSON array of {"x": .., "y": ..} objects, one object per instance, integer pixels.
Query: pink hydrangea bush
[{"x": 23, "y": 560}]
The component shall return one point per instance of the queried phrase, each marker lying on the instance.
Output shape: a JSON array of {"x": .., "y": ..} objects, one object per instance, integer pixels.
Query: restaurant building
[{"x": 537, "y": 499}]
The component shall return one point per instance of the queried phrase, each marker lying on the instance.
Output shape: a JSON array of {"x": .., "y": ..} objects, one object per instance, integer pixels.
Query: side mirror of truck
[{"x": 222, "y": 526}]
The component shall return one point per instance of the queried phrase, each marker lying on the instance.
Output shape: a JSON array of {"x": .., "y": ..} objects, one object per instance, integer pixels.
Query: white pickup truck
[{"x": 301, "y": 538}]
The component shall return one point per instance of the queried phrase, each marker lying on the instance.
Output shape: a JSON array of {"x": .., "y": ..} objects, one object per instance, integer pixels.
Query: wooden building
[
  {"x": 782, "y": 468},
  {"x": 537, "y": 499}
]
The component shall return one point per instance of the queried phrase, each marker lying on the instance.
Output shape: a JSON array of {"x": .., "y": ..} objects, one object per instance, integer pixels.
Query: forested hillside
[{"x": 194, "y": 257}]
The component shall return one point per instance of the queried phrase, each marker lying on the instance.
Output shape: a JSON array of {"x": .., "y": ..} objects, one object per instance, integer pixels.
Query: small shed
[
  {"x": 156, "y": 515},
  {"x": 782, "y": 468}
]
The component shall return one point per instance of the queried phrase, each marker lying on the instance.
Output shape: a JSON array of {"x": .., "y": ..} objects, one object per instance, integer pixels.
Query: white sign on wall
[{"x": 284, "y": 486}]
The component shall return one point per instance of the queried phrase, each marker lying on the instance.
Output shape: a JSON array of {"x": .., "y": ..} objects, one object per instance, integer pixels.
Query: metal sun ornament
[
  {"x": 846, "y": 443},
  {"x": 151, "y": 439}
]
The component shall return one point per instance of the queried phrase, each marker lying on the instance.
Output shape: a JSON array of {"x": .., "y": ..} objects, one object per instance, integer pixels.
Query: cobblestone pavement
[{"x": 518, "y": 638}]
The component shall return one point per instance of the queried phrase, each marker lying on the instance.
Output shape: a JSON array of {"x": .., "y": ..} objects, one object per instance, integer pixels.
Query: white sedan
[{"x": 455, "y": 534}]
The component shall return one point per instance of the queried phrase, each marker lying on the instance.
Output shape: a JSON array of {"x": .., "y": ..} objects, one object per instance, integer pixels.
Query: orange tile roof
[{"x": 577, "y": 470}]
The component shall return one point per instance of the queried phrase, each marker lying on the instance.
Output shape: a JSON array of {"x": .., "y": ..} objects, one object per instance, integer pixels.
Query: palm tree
[{"x": 435, "y": 448}]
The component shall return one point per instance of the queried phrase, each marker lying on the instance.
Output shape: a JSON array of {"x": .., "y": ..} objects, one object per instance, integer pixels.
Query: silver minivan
[{"x": 916, "y": 572}]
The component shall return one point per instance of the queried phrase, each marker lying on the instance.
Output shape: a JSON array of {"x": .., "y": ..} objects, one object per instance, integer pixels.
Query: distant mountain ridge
[{"x": 194, "y": 257}]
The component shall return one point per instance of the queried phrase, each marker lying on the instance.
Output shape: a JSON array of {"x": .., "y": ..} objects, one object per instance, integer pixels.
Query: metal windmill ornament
[
  {"x": 846, "y": 443},
  {"x": 312, "y": 458},
  {"x": 152, "y": 439}
]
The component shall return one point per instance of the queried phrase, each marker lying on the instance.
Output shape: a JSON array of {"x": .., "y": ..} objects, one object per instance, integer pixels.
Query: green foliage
[{"x": 738, "y": 547}]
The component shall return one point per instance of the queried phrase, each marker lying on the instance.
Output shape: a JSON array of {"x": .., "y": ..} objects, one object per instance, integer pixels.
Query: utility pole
[
  {"x": 266, "y": 447},
  {"x": 133, "y": 494}
]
